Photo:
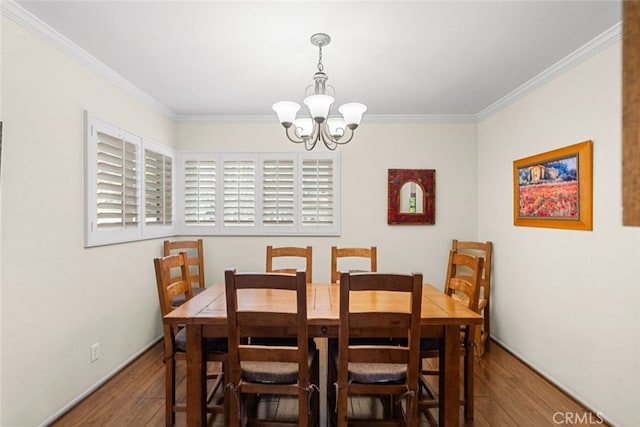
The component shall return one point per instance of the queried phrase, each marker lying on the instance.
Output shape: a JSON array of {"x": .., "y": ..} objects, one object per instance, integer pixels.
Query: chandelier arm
[
  {"x": 314, "y": 136},
  {"x": 297, "y": 139},
  {"x": 342, "y": 141},
  {"x": 336, "y": 141}
]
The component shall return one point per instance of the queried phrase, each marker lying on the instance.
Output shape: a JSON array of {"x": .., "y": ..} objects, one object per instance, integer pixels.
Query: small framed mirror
[{"x": 411, "y": 196}]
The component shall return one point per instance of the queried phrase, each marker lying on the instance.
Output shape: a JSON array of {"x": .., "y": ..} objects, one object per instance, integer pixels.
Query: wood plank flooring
[{"x": 507, "y": 393}]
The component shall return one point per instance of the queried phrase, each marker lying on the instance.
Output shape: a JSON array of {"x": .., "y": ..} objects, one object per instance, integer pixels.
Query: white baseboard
[{"x": 97, "y": 385}]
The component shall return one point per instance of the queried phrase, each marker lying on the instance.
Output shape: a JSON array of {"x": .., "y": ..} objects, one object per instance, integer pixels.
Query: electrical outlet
[{"x": 95, "y": 352}]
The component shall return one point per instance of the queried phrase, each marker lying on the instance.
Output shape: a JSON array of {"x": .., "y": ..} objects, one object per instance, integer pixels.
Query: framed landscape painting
[{"x": 554, "y": 189}]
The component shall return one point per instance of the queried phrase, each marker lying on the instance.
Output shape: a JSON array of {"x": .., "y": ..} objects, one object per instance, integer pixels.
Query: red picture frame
[{"x": 425, "y": 181}]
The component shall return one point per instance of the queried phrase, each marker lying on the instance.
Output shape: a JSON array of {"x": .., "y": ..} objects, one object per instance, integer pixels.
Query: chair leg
[
  {"x": 482, "y": 332},
  {"x": 412, "y": 408},
  {"x": 332, "y": 376},
  {"x": 469, "y": 372},
  {"x": 315, "y": 396},
  {"x": 303, "y": 408},
  {"x": 170, "y": 391},
  {"x": 343, "y": 405}
]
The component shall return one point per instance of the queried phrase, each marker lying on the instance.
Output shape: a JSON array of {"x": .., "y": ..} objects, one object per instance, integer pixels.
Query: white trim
[
  {"x": 385, "y": 118},
  {"x": 39, "y": 28},
  {"x": 420, "y": 118},
  {"x": 598, "y": 44},
  {"x": 66, "y": 408}
]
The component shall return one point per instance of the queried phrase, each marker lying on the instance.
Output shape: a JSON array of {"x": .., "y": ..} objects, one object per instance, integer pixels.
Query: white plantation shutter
[
  {"x": 318, "y": 192},
  {"x": 199, "y": 205},
  {"x": 158, "y": 188},
  {"x": 117, "y": 187},
  {"x": 278, "y": 192},
  {"x": 137, "y": 189},
  {"x": 239, "y": 192},
  {"x": 113, "y": 187}
]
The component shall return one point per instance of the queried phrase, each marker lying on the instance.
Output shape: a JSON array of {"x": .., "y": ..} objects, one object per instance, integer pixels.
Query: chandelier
[{"x": 332, "y": 131}]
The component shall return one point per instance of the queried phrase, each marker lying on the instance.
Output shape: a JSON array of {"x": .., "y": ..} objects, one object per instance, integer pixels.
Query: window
[
  {"x": 121, "y": 204},
  {"x": 318, "y": 187},
  {"x": 199, "y": 192},
  {"x": 278, "y": 192},
  {"x": 139, "y": 189},
  {"x": 239, "y": 191},
  {"x": 158, "y": 190},
  {"x": 259, "y": 193}
]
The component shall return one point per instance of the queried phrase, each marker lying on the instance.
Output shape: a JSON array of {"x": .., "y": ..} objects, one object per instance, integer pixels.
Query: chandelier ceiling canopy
[{"x": 332, "y": 131}]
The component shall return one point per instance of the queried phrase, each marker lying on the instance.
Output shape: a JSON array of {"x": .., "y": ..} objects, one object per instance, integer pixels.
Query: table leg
[
  {"x": 449, "y": 413},
  {"x": 196, "y": 387}
]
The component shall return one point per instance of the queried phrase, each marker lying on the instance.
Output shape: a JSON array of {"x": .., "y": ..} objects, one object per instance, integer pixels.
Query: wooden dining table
[{"x": 205, "y": 315}]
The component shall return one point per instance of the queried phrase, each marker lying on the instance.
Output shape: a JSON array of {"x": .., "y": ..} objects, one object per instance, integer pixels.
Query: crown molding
[
  {"x": 369, "y": 118},
  {"x": 22, "y": 17},
  {"x": 39, "y": 28},
  {"x": 421, "y": 118},
  {"x": 589, "y": 49},
  {"x": 219, "y": 118}
]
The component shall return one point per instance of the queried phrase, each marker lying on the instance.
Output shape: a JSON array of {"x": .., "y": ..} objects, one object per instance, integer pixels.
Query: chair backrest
[
  {"x": 468, "y": 284},
  {"x": 195, "y": 256},
  {"x": 172, "y": 278},
  {"x": 288, "y": 252},
  {"x": 479, "y": 249},
  {"x": 397, "y": 316},
  {"x": 336, "y": 253},
  {"x": 290, "y": 314}
]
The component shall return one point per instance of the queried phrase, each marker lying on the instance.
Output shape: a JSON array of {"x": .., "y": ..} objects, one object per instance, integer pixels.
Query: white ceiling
[{"x": 236, "y": 58}]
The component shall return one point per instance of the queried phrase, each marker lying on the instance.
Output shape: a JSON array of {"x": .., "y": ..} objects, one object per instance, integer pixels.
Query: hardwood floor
[{"x": 507, "y": 393}]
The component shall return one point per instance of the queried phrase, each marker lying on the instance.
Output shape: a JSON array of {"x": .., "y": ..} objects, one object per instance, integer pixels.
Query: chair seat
[
  {"x": 179, "y": 299},
  {"x": 368, "y": 373},
  {"x": 371, "y": 373},
  {"x": 282, "y": 342},
  {"x": 272, "y": 372},
  {"x": 212, "y": 345}
]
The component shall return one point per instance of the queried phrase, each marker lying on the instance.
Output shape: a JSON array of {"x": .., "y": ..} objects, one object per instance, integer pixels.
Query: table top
[{"x": 209, "y": 306}]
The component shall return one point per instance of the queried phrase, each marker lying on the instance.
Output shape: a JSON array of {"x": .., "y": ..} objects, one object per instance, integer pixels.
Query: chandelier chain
[{"x": 320, "y": 65}]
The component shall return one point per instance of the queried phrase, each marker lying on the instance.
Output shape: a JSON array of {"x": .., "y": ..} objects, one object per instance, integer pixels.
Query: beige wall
[
  {"x": 563, "y": 300},
  {"x": 567, "y": 301},
  {"x": 1, "y": 118},
  {"x": 57, "y": 297},
  {"x": 377, "y": 147}
]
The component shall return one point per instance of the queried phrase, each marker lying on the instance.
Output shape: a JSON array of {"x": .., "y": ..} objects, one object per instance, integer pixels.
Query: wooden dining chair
[
  {"x": 195, "y": 255},
  {"x": 483, "y": 250},
  {"x": 468, "y": 286},
  {"x": 289, "y": 254},
  {"x": 169, "y": 285},
  {"x": 258, "y": 370},
  {"x": 370, "y": 253},
  {"x": 379, "y": 370}
]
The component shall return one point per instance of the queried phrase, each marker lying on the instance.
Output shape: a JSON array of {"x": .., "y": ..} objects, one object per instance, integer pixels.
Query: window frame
[
  {"x": 259, "y": 228},
  {"x": 96, "y": 236}
]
